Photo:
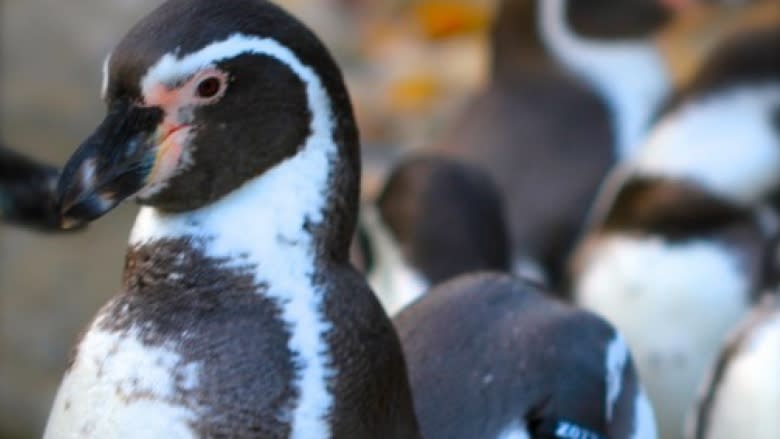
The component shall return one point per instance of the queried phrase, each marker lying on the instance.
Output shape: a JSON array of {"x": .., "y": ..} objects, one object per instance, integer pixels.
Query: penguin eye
[{"x": 209, "y": 87}]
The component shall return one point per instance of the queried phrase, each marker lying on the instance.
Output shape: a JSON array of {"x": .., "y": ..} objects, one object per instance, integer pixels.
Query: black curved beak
[{"x": 110, "y": 166}]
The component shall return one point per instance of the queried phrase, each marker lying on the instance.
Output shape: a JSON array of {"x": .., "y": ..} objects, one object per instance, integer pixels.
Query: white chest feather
[
  {"x": 630, "y": 75},
  {"x": 747, "y": 402},
  {"x": 674, "y": 303},
  {"x": 738, "y": 160},
  {"x": 120, "y": 388}
]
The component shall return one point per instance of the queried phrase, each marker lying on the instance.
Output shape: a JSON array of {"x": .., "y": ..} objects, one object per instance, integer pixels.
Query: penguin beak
[{"x": 111, "y": 165}]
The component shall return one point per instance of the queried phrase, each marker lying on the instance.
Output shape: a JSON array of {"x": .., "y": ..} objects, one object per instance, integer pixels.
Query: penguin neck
[
  {"x": 630, "y": 75},
  {"x": 287, "y": 217}
]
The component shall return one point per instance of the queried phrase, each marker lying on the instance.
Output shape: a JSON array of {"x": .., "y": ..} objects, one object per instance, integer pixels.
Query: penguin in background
[
  {"x": 488, "y": 354},
  {"x": 435, "y": 218},
  {"x": 28, "y": 192},
  {"x": 741, "y": 395},
  {"x": 675, "y": 251},
  {"x": 494, "y": 356},
  {"x": 574, "y": 86}
]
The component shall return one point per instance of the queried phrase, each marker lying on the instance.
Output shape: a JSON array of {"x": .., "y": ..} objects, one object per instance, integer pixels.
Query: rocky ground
[{"x": 52, "y": 50}]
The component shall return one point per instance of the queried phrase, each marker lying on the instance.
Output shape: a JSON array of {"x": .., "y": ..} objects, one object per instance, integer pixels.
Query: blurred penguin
[
  {"x": 435, "y": 218},
  {"x": 492, "y": 356},
  {"x": 742, "y": 395},
  {"x": 27, "y": 192},
  {"x": 676, "y": 247},
  {"x": 574, "y": 85}
]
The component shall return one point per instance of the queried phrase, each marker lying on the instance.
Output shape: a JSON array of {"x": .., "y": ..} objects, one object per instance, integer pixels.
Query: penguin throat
[{"x": 276, "y": 213}]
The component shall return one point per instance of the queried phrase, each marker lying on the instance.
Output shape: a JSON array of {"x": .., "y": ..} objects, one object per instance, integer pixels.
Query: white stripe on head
[
  {"x": 725, "y": 142},
  {"x": 104, "y": 83},
  {"x": 264, "y": 222},
  {"x": 617, "y": 356},
  {"x": 170, "y": 69},
  {"x": 631, "y": 75}
]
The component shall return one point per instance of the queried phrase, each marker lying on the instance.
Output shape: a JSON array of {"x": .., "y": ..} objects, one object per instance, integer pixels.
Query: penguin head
[
  {"x": 27, "y": 190},
  {"x": 201, "y": 97},
  {"x": 604, "y": 19},
  {"x": 629, "y": 19},
  {"x": 447, "y": 217},
  {"x": 518, "y": 35}
]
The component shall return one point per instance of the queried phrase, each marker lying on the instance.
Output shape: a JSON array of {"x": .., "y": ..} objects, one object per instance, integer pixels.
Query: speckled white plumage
[{"x": 119, "y": 387}]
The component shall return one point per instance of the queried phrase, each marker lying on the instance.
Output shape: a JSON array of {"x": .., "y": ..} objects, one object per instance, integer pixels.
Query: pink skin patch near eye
[
  {"x": 169, "y": 153},
  {"x": 178, "y": 105}
]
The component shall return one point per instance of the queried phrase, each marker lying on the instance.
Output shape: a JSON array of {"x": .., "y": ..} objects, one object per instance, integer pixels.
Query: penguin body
[
  {"x": 491, "y": 356},
  {"x": 239, "y": 313}
]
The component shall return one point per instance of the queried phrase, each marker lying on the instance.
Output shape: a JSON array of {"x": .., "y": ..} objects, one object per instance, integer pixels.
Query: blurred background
[{"x": 410, "y": 65}]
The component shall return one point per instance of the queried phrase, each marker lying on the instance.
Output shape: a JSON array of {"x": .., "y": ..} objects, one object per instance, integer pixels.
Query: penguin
[
  {"x": 28, "y": 192},
  {"x": 742, "y": 395},
  {"x": 574, "y": 86},
  {"x": 435, "y": 218},
  {"x": 675, "y": 253},
  {"x": 239, "y": 314},
  {"x": 492, "y": 356}
]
